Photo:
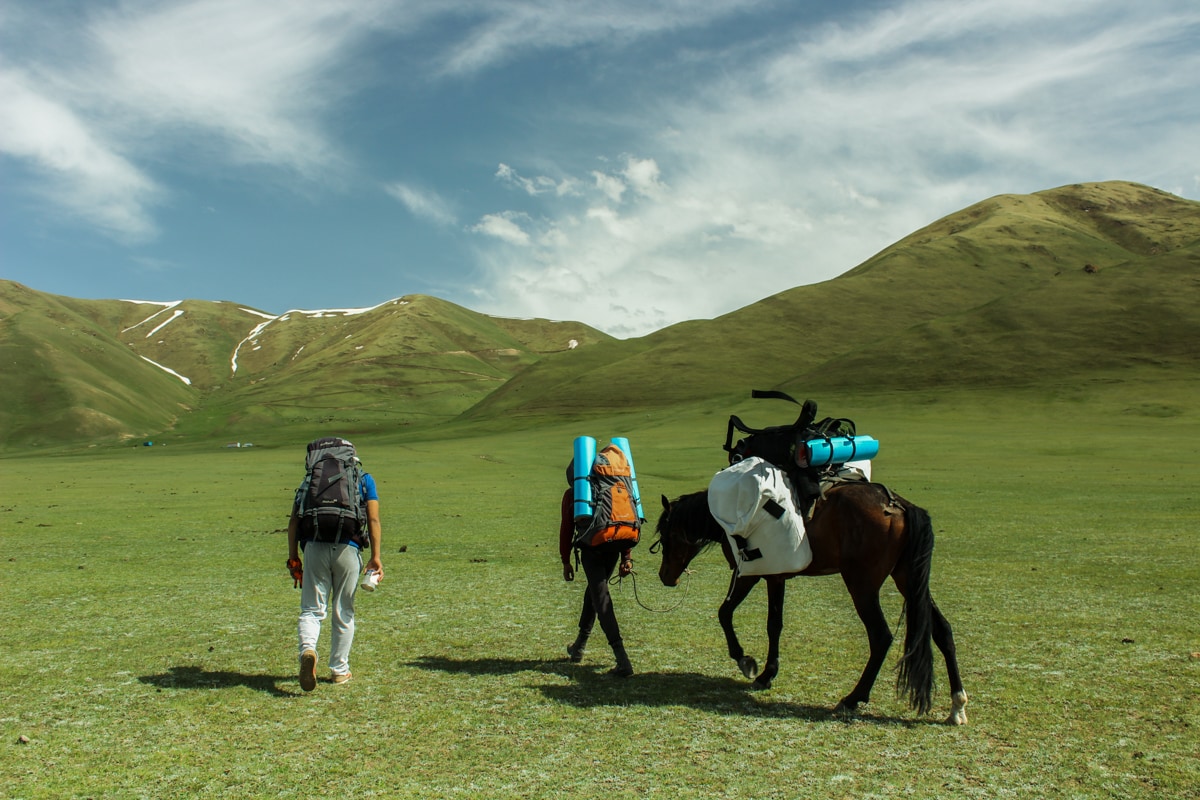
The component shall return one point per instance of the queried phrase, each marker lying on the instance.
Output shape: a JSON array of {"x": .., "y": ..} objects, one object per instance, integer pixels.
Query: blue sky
[{"x": 627, "y": 163}]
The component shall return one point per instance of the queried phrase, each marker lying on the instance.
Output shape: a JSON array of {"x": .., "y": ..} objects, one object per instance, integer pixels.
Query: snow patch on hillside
[
  {"x": 318, "y": 313},
  {"x": 165, "y": 308},
  {"x": 188, "y": 381},
  {"x": 178, "y": 313}
]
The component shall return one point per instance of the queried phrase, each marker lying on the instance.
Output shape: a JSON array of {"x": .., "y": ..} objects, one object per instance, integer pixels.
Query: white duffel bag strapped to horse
[{"x": 754, "y": 503}]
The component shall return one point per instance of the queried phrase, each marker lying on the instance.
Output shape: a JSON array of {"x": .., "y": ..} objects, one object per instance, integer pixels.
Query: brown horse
[{"x": 863, "y": 531}]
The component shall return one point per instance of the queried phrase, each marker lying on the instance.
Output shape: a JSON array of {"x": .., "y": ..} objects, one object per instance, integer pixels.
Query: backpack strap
[
  {"x": 772, "y": 394},
  {"x": 808, "y": 412}
]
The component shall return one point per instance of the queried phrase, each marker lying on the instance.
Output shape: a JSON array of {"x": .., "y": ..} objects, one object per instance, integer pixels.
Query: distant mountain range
[{"x": 1088, "y": 281}]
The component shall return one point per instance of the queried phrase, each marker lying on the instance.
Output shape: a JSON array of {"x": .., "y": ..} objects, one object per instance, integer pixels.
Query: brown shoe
[
  {"x": 341, "y": 677},
  {"x": 308, "y": 670}
]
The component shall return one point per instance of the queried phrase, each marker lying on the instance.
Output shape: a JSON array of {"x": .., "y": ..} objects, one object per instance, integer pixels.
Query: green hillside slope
[
  {"x": 1014, "y": 290},
  {"x": 1084, "y": 283},
  {"x": 68, "y": 378},
  {"x": 79, "y": 370},
  {"x": 411, "y": 360}
]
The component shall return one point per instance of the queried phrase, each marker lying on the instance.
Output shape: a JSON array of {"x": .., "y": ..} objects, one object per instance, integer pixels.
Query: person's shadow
[
  {"x": 190, "y": 677},
  {"x": 590, "y": 686}
]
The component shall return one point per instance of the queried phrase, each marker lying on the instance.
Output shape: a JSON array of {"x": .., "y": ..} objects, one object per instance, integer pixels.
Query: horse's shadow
[
  {"x": 590, "y": 686},
  {"x": 192, "y": 677}
]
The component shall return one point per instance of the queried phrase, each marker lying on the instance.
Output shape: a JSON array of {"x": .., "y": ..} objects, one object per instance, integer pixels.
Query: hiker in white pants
[{"x": 329, "y": 575}]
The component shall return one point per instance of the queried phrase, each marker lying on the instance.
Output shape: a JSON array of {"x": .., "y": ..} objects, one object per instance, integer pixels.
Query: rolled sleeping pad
[
  {"x": 840, "y": 449},
  {"x": 623, "y": 443},
  {"x": 585, "y": 456}
]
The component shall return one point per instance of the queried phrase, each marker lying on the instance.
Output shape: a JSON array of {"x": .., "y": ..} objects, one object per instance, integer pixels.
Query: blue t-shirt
[{"x": 367, "y": 488}]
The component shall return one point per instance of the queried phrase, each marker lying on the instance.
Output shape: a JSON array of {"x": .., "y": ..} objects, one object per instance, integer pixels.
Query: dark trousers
[{"x": 598, "y": 567}]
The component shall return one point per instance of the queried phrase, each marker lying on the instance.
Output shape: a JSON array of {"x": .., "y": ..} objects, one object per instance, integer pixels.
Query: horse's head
[{"x": 681, "y": 535}]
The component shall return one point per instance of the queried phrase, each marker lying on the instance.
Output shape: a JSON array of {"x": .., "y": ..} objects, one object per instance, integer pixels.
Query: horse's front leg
[
  {"x": 775, "y": 592},
  {"x": 738, "y": 589}
]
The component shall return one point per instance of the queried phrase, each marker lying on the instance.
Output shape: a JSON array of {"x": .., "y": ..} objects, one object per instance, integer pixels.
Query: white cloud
[
  {"x": 227, "y": 82},
  {"x": 81, "y": 172},
  {"x": 423, "y": 203},
  {"x": 642, "y": 174},
  {"x": 219, "y": 80},
  {"x": 504, "y": 228},
  {"x": 610, "y": 186},
  {"x": 848, "y": 138},
  {"x": 256, "y": 77},
  {"x": 538, "y": 185},
  {"x": 732, "y": 168},
  {"x": 507, "y": 29}
]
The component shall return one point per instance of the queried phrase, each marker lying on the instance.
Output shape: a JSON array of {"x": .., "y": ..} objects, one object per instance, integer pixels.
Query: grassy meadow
[{"x": 149, "y": 636}]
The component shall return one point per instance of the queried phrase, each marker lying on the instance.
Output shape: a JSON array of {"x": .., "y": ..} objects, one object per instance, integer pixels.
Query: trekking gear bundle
[
  {"x": 608, "y": 509},
  {"x": 329, "y": 501},
  {"x": 804, "y": 443},
  {"x": 807, "y": 450}
]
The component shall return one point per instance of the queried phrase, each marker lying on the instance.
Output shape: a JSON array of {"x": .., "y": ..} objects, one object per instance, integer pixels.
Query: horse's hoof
[
  {"x": 845, "y": 709},
  {"x": 958, "y": 711},
  {"x": 748, "y": 666},
  {"x": 761, "y": 684}
]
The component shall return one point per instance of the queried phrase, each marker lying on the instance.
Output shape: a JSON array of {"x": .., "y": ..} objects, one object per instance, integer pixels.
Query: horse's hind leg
[
  {"x": 879, "y": 635},
  {"x": 738, "y": 589},
  {"x": 943, "y": 637}
]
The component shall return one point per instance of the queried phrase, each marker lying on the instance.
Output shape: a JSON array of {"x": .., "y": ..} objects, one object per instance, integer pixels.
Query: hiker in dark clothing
[{"x": 598, "y": 567}]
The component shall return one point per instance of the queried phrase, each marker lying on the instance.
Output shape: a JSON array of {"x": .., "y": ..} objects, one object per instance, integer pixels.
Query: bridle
[{"x": 655, "y": 548}]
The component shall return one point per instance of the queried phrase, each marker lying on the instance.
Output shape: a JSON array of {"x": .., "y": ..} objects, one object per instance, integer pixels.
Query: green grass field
[{"x": 149, "y": 636}]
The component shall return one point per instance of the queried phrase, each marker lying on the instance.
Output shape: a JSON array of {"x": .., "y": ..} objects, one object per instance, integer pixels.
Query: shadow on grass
[
  {"x": 199, "y": 678},
  {"x": 493, "y": 666},
  {"x": 592, "y": 686}
]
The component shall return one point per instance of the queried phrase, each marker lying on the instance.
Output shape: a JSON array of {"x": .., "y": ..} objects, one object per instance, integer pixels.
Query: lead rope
[{"x": 633, "y": 579}]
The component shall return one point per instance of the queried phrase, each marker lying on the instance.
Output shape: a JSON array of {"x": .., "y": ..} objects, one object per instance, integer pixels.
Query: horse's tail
[{"x": 915, "y": 673}]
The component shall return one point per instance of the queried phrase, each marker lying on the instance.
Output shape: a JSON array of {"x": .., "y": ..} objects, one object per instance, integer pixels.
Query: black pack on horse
[{"x": 860, "y": 530}]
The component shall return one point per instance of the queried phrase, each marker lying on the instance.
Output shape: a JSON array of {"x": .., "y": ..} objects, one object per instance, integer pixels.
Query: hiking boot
[
  {"x": 308, "y": 670},
  {"x": 341, "y": 677},
  {"x": 575, "y": 648},
  {"x": 623, "y": 669}
]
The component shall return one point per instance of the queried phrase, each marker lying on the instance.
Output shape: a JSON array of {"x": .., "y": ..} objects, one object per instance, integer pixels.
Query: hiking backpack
[
  {"x": 614, "y": 523},
  {"x": 784, "y": 445},
  {"x": 329, "y": 501}
]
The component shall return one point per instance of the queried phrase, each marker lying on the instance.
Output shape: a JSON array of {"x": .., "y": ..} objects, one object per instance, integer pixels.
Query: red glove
[{"x": 294, "y": 566}]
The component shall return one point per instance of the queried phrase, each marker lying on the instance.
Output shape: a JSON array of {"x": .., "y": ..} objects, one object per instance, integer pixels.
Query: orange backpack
[{"x": 615, "y": 523}]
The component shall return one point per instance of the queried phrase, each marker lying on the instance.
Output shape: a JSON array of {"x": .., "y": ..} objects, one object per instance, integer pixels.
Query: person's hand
[
  {"x": 626, "y": 567},
  {"x": 375, "y": 565},
  {"x": 297, "y": 570},
  {"x": 568, "y": 573}
]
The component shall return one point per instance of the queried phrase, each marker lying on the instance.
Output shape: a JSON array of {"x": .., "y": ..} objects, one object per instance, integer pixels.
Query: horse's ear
[{"x": 666, "y": 503}]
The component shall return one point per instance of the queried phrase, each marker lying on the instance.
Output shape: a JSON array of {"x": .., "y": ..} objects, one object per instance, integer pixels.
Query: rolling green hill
[
  {"x": 67, "y": 377},
  {"x": 107, "y": 370},
  {"x": 1073, "y": 286},
  {"x": 1061, "y": 286}
]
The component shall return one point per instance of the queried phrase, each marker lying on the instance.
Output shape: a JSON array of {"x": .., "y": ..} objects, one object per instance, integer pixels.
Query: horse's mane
[{"x": 690, "y": 512}]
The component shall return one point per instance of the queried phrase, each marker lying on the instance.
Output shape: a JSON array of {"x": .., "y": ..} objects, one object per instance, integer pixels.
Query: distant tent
[{"x": 147, "y": 444}]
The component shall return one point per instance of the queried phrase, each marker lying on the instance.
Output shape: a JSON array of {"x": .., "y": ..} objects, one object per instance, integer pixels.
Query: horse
[{"x": 863, "y": 531}]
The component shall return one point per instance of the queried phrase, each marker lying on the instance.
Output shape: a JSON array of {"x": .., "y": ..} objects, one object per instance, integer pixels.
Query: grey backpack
[{"x": 329, "y": 501}]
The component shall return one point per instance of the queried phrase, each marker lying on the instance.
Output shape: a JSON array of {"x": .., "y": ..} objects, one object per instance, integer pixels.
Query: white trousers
[{"x": 330, "y": 580}]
